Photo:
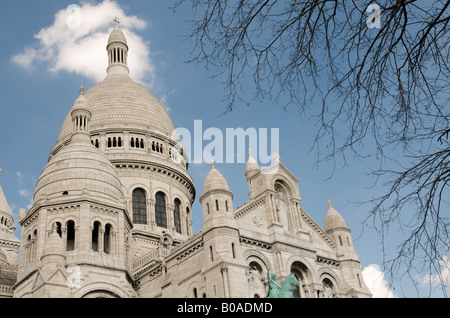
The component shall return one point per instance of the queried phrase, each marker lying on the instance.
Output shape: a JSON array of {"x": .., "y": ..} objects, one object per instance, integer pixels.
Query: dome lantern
[
  {"x": 117, "y": 49},
  {"x": 81, "y": 116}
]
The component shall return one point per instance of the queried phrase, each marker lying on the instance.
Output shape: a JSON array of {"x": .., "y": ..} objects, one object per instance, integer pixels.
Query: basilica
[{"x": 111, "y": 214}]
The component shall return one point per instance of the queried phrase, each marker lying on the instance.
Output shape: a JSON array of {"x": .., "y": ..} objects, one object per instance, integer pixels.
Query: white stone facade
[{"x": 111, "y": 215}]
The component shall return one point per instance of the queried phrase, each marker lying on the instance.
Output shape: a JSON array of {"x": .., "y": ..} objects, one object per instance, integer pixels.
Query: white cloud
[
  {"x": 374, "y": 279},
  {"x": 76, "y": 42}
]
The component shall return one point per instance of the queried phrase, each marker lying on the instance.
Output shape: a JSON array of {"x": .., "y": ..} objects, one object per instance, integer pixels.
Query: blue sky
[{"x": 39, "y": 85}]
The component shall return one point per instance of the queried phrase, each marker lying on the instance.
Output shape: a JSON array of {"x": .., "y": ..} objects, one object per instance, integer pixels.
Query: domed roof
[
  {"x": 117, "y": 36},
  {"x": 251, "y": 163},
  {"x": 214, "y": 180},
  {"x": 333, "y": 219},
  {"x": 75, "y": 169},
  {"x": 120, "y": 103},
  {"x": 79, "y": 170}
]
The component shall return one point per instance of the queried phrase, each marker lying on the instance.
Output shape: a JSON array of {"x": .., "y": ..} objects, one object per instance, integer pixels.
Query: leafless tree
[{"x": 385, "y": 85}]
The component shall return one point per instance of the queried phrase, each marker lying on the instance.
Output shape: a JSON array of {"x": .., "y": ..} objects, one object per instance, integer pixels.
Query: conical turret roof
[
  {"x": 215, "y": 180},
  {"x": 4, "y": 207},
  {"x": 333, "y": 219}
]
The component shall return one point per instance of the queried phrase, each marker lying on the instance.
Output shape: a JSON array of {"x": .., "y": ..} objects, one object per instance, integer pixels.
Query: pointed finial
[
  {"x": 213, "y": 164},
  {"x": 82, "y": 90},
  {"x": 329, "y": 204},
  {"x": 116, "y": 20},
  {"x": 249, "y": 152}
]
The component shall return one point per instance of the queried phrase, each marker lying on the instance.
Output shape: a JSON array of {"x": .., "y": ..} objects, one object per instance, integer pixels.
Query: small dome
[
  {"x": 251, "y": 163},
  {"x": 117, "y": 36},
  {"x": 81, "y": 103},
  {"x": 214, "y": 180},
  {"x": 333, "y": 219},
  {"x": 79, "y": 170}
]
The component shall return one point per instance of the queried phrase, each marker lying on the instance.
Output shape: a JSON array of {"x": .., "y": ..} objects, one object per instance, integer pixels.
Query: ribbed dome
[
  {"x": 333, "y": 219},
  {"x": 215, "y": 180},
  {"x": 117, "y": 36},
  {"x": 121, "y": 104},
  {"x": 79, "y": 170},
  {"x": 251, "y": 163}
]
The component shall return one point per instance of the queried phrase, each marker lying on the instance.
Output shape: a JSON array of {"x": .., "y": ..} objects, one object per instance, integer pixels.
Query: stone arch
[
  {"x": 162, "y": 202},
  {"x": 283, "y": 195},
  {"x": 139, "y": 198},
  {"x": 326, "y": 276},
  {"x": 256, "y": 276},
  {"x": 130, "y": 189},
  {"x": 94, "y": 290},
  {"x": 195, "y": 289},
  {"x": 305, "y": 277},
  {"x": 286, "y": 183}
]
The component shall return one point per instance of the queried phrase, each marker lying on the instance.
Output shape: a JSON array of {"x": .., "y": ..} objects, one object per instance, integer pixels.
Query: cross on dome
[
  {"x": 116, "y": 20},
  {"x": 81, "y": 90}
]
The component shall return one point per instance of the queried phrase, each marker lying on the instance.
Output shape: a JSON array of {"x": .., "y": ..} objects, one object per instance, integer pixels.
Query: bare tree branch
[{"x": 386, "y": 87}]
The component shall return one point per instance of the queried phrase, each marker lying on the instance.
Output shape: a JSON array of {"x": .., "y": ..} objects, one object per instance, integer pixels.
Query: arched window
[
  {"x": 303, "y": 275},
  {"x": 107, "y": 239},
  {"x": 119, "y": 142},
  {"x": 109, "y": 142},
  {"x": 95, "y": 234},
  {"x": 187, "y": 220},
  {"x": 160, "y": 210},
  {"x": 217, "y": 205},
  {"x": 177, "y": 216},
  {"x": 132, "y": 142},
  {"x": 139, "y": 207},
  {"x": 58, "y": 229},
  {"x": 70, "y": 236}
]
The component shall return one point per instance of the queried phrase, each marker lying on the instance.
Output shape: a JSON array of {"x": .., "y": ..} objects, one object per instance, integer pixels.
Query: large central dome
[
  {"x": 120, "y": 103},
  {"x": 131, "y": 127}
]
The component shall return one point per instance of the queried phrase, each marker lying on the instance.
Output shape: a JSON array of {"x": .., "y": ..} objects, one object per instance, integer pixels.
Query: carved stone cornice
[{"x": 244, "y": 209}]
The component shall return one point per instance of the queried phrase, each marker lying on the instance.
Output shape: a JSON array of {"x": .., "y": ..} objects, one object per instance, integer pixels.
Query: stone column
[
  {"x": 226, "y": 288},
  {"x": 151, "y": 220},
  {"x": 101, "y": 236},
  {"x": 274, "y": 208}
]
